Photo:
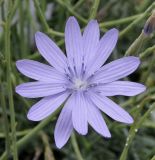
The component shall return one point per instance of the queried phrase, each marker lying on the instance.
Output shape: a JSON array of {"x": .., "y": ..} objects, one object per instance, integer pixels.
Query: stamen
[
  {"x": 71, "y": 72},
  {"x": 76, "y": 75},
  {"x": 68, "y": 76},
  {"x": 83, "y": 68}
]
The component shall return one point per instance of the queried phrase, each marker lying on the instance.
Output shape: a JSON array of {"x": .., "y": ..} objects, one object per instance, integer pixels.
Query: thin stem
[
  {"x": 145, "y": 14},
  {"x": 77, "y": 5},
  {"x": 31, "y": 134},
  {"x": 9, "y": 84},
  {"x": 153, "y": 158},
  {"x": 43, "y": 20},
  {"x": 135, "y": 127},
  {"x": 94, "y": 9},
  {"x": 63, "y": 4},
  {"x": 120, "y": 21},
  {"x": 19, "y": 133},
  {"x": 41, "y": 15},
  {"x": 136, "y": 45},
  {"x": 147, "y": 52},
  {"x": 48, "y": 154},
  {"x": 6, "y": 123},
  {"x": 149, "y": 69},
  {"x": 21, "y": 22},
  {"x": 76, "y": 147}
]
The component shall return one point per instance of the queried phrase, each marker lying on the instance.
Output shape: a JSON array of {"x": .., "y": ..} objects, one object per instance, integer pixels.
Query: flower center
[{"x": 79, "y": 84}]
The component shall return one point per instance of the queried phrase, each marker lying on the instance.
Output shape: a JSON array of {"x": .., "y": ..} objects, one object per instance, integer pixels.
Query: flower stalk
[
  {"x": 76, "y": 147},
  {"x": 9, "y": 83},
  {"x": 136, "y": 45},
  {"x": 6, "y": 122},
  {"x": 137, "y": 124}
]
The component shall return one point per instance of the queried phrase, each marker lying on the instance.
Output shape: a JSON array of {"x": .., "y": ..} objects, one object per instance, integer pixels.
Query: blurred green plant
[{"x": 21, "y": 139}]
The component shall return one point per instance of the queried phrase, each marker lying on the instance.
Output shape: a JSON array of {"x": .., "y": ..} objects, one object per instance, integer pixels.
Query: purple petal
[
  {"x": 46, "y": 106},
  {"x": 50, "y": 51},
  {"x": 79, "y": 114},
  {"x": 111, "y": 109},
  {"x": 125, "y": 88},
  {"x": 73, "y": 41},
  {"x": 91, "y": 37},
  {"x": 39, "y": 71},
  {"x": 39, "y": 89},
  {"x": 96, "y": 120},
  {"x": 104, "y": 49},
  {"x": 64, "y": 126},
  {"x": 116, "y": 70}
]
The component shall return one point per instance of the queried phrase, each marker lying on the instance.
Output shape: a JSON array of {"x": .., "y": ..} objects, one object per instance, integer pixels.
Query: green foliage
[{"x": 22, "y": 139}]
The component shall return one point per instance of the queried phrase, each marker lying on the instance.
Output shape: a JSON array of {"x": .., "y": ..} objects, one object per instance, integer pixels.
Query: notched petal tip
[
  {"x": 93, "y": 21},
  {"x": 83, "y": 133},
  {"x": 72, "y": 18},
  {"x": 72, "y": 21},
  {"x": 108, "y": 135}
]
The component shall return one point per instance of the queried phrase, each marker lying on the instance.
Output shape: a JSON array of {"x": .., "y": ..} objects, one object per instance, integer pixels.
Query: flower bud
[{"x": 149, "y": 26}]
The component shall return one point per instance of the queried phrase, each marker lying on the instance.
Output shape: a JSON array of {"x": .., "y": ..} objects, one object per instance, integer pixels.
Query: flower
[{"x": 78, "y": 80}]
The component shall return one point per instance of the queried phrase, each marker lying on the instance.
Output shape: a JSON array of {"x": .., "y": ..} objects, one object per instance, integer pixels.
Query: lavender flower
[{"x": 78, "y": 80}]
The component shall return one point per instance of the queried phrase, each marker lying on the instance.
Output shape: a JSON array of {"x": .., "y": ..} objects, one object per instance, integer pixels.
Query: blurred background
[{"x": 26, "y": 140}]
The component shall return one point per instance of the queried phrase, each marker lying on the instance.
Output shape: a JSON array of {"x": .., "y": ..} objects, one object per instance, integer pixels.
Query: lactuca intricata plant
[{"x": 80, "y": 80}]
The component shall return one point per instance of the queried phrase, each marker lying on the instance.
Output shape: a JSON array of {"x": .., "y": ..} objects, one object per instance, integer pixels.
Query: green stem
[
  {"x": 147, "y": 73},
  {"x": 153, "y": 158},
  {"x": 19, "y": 133},
  {"x": 136, "y": 45},
  {"x": 77, "y": 5},
  {"x": 147, "y": 52},
  {"x": 94, "y": 9},
  {"x": 21, "y": 22},
  {"x": 41, "y": 15},
  {"x": 135, "y": 127},
  {"x": 31, "y": 134},
  {"x": 120, "y": 21},
  {"x": 149, "y": 124},
  {"x": 76, "y": 147},
  {"x": 135, "y": 22},
  {"x": 65, "y": 5},
  {"x": 43, "y": 20},
  {"x": 6, "y": 123},
  {"x": 9, "y": 84}
]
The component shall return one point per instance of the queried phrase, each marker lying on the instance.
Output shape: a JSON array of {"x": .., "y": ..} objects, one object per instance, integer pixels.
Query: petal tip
[
  {"x": 108, "y": 136},
  {"x": 143, "y": 88},
  {"x": 17, "y": 89},
  {"x": 72, "y": 20},
  {"x": 130, "y": 120},
  {"x": 136, "y": 59},
  {"x": 115, "y": 31},
  {"x": 19, "y": 63},
  {"x": 83, "y": 133},
  {"x": 59, "y": 145},
  {"x": 39, "y": 34},
  {"x": 31, "y": 117}
]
